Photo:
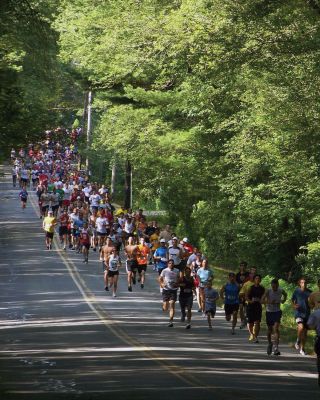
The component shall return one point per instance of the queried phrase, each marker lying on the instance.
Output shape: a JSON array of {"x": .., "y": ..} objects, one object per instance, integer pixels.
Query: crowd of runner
[{"x": 82, "y": 212}]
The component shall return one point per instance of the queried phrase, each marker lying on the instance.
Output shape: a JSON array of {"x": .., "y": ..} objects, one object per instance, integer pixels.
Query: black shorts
[
  {"x": 186, "y": 301},
  {"x": 210, "y": 311},
  {"x": 23, "y": 199},
  {"x": 111, "y": 274},
  {"x": 55, "y": 208},
  {"x": 86, "y": 245},
  {"x": 169, "y": 295},
  {"x": 273, "y": 317},
  {"x": 254, "y": 312},
  {"x": 23, "y": 180},
  {"x": 101, "y": 234},
  {"x": 49, "y": 235},
  {"x": 229, "y": 309},
  {"x": 63, "y": 230},
  {"x": 44, "y": 209},
  {"x": 142, "y": 268},
  {"x": 132, "y": 265}
]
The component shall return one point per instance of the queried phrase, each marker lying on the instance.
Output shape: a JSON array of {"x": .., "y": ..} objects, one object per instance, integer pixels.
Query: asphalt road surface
[{"x": 63, "y": 337}]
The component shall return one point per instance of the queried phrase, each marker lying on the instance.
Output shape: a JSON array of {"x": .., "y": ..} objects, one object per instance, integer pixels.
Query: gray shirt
[{"x": 314, "y": 321}]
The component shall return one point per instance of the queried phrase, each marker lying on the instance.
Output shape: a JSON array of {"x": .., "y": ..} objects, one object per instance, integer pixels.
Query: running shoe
[
  {"x": 188, "y": 326},
  {"x": 297, "y": 345},
  {"x": 251, "y": 337},
  {"x": 183, "y": 318},
  {"x": 106, "y": 289},
  {"x": 170, "y": 324},
  {"x": 256, "y": 340},
  {"x": 142, "y": 285},
  {"x": 129, "y": 288},
  {"x": 276, "y": 352},
  {"x": 114, "y": 295},
  {"x": 302, "y": 352},
  {"x": 269, "y": 349}
]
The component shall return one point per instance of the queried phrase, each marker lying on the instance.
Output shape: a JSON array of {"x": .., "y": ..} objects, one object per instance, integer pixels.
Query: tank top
[
  {"x": 231, "y": 293},
  {"x": 274, "y": 296},
  {"x": 113, "y": 263},
  {"x": 186, "y": 290}
]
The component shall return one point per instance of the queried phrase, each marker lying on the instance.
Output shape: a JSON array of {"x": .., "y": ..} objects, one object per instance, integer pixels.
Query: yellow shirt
[
  {"x": 154, "y": 239},
  {"x": 49, "y": 223},
  {"x": 314, "y": 300},
  {"x": 246, "y": 287}
]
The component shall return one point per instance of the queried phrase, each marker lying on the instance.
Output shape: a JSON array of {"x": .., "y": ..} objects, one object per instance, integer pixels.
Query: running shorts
[
  {"x": 63, "y": 230},
  {"x": 254, "y": 312},
  {"x": 273, "y": 317},
  {"x": 142, "y": 267},
  {"x": 169, "y": 295},
  {"x": 111, "y": 274},
  {"x": 49, "y": 234},
  {"x": 131, "y": 265},
  {"x": 210, "y": 309},
  {"x": 229, "y": 309},
  {"x": 186, "y": 301}
]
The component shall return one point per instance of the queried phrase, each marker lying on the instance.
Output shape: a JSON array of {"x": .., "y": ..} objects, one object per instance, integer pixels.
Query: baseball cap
[
  {"x": 185, "y": 239},
  {"x": 50, "y": 212},
  {"x": 162, "y": 240},
  {"x": 175, "y": 238}
]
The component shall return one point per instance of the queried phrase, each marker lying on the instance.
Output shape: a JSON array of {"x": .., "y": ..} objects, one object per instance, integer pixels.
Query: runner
[
  {"x": 254, "y": 308},
  {"x": 210, "y": 297},
  {"x": 244, "y": 291},
  {"x": 161, "y": 257},
  {"x": 301, "y": 308},
  {"x": 187, "y": 289},
  {"x": 131, "y": 263},
  {"x": 143, "y": 252},
  {"x": 23, "y": 197},
  {"x": 205, "y": 276},
  {"x": 48, "y": 225},
  {"x": 102, "y": 227},
  {"x": 113, "y": 271},
  {"x": 175, "y": 253},
  {"x": 230, "y": 294},
  {"x": 273, "y": 298},
  {"x": 85, "y": 242},
  {"x": 169, "y": 279},
  {"x": 14, "y": 173},
  {"x": 314, "y": 323},
  {"x": 105, "y": 253},
  {"x": 63, "y": 228}
]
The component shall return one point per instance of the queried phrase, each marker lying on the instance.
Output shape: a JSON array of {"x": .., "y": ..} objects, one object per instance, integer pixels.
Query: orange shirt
[{"x": 142, "y": 255}]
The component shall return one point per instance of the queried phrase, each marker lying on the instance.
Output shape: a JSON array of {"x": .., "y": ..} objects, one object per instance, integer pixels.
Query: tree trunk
[
  {"x": 113, "y": 179},
  {"x": 127, "y": 185}
]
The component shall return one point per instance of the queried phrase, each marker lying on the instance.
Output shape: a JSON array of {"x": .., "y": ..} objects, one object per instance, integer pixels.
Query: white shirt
[
  {"x": 174, "y": 254},
  {"x": 94, "y": 200},
  {"x": 67, "y": 193},
  {"x": 170, "y": 278},
  {"x": 87, "y": 191},
  {"x": 101, "y": 224}
]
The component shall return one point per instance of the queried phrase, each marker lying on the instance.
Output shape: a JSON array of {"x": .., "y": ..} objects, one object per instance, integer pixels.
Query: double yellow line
[{"x": 184, "y": 376}]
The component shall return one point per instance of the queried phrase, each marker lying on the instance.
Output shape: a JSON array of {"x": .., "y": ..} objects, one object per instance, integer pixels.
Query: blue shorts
[{"x": 273, "y": 317}]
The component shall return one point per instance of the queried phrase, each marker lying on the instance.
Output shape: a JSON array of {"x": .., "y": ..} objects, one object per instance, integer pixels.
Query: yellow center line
[{"x": 181, "y": 373}]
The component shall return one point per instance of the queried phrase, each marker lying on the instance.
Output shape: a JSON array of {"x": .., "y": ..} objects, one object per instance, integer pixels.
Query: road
[{"x": 64, "y": 337}]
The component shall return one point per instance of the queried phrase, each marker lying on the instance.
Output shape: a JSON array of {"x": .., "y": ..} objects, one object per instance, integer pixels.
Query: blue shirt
[
  {"x": 300, "y": 297},
  {"x": 231, "y": 293},
  {"x": 205, "y": 275},
  {"x": 211, "y": 296},
  {"x": 161, "y": 252}
]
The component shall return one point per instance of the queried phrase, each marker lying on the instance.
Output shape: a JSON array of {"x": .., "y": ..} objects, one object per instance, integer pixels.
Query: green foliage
[{"x": 215, "y": 103}]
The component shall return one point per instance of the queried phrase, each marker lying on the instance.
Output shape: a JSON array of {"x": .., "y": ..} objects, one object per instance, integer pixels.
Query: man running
[
  {"x": 273, "y": 298},
  {"x": 169, "y": 279},
  {"x": 143, "y": 252},
  {"x": 131, "y": 264},
  {"x": 23, "y": 197},
  {"x": 113, "y": 271},
  {"x": 241, "y": 277},
  {"x": 49, "y": 222},
  {"x": 230, "y": 294},
  {"x": 105, "y": 253},
  {"x": 187, "y": 289},
  {"x": 85, "y": 242},
  {"x": 63, "y": 228},
  {"x": 301, "y": 308},
  {"x": 254, "y": 308}
]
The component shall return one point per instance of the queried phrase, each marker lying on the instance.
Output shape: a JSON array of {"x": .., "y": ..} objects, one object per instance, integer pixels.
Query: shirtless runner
[
  {"x": 105, "y": 253},
  {"x": 131, "y": 251}
]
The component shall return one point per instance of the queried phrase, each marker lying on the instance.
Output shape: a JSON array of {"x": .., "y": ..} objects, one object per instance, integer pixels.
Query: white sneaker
[
  {"x": 297, "y": 345},
  {"x": 114, "y": 295},
  {"x": 302, "y": 352}
]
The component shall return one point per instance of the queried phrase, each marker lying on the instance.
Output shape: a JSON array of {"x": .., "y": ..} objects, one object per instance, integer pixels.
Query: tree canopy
[{"x": 215, "y": 103}]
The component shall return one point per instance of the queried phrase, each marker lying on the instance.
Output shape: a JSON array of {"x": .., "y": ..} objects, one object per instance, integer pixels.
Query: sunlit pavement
[{"x": 63, "y": 337}]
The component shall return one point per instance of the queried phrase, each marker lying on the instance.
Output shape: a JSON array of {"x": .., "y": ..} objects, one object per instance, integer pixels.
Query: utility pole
[{"x": 89, "y": 104}]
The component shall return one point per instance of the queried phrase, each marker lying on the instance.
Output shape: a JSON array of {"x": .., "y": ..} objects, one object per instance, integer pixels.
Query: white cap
[
  {"x": 162, "y": 240},
  {"x": 50, "y": 212},
  {"x": 175, "y": 238},
  {"x": 185, "y": 239}
]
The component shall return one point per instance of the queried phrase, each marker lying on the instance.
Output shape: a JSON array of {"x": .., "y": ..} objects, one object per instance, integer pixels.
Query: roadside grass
[{"x": 288, "y": 326}]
